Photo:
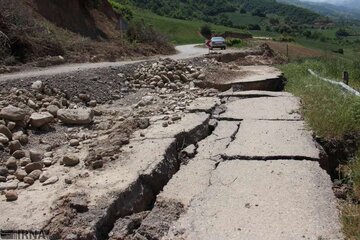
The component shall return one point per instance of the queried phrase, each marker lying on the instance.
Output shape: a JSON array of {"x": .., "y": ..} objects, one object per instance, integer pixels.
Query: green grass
[
  {"x": 178, "y": 31},
  {"x": 328, "y": 111}
]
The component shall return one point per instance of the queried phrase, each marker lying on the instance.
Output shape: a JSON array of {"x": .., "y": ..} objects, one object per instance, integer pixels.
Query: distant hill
[
  {"x": 216, "y": 11},
  {"x": 346, "y": 10}
]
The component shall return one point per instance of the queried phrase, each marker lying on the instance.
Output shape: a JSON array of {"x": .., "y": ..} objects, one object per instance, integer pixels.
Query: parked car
[{"x": 218, "y": 42}]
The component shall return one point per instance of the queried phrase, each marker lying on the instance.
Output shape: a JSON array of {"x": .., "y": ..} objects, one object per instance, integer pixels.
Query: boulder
[
  {"x": 41, "y": 119},
  {"x": 13, "y": 113},
  {"x": 75, "y": 116}
]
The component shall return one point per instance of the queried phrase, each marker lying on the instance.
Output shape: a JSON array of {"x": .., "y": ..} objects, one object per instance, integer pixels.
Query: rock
[
  {"x": 13, "y": 113},
  {"x": 20, "y": 174},
  {"x": 14, "y": 146},
  {"x": 11, "y": 163},
  {"x": 75, "y": 116},
  {"x": 44, "y": 176},
  {"x": 92, "y": 103},
  {"x": 147, "y": 100},
  {"x": 74, "y": 142},
  {"x": 41, "y": 119},
  {"x": 143, "y": 123},
  {"x": 71, "y": 160},
  {"x": 11, "y": 196},
  {"x": 3, "y": 171},
  {"x": 47, "y": 162},
  {"x": 97, "y": 164},
  {"x": 52, "y": 109},
  {"x": 32, "y": 104},
  {"x": 35, "y": 174},
  {"x": 11, "y": 125},
  {"x": 36, "y": 155},
  {"x": 184, "y": 78},
  {"x": 24, "y": 139},
  {"x": 29, "y": 180},
  {"x": 51, "y": 180},
  {"x": 2, "y": 179},
  {"x": 18, "y": 154},
  {"x": 3, "y": 139},
  {"x": 6, "y": 131},
  {"x": 33, "y": 166},
  {"x": 68, "y": 180},
  {"x": 188, "y": 152},
  {"x": 79, "y": 204},
  {"x": 84, "y": 97},
  {"x": 37, "y": 86},
  {"x": 24, "y": 161},
  {"x": 9, "y": 185},
  {"x": 201, "y": 76}
]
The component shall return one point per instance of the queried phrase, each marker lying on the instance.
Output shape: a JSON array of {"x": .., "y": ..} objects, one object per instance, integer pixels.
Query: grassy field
[{"x": 178, "y": 31}]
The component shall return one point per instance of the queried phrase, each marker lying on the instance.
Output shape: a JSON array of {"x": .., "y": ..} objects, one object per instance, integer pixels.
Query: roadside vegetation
[{"x": 333, "y": 115}]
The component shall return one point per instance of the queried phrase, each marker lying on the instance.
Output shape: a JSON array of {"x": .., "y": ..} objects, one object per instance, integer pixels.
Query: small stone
[
  {"x": 35, "y": 174},
  {"x": 29, "y": 180},
  {"x": 33, "y": 166},
  {"x": 37, "y": 86},
  {"x": 51, "y": 180},
  {"x": 24, "y": 161},
  {"x": 79, "y": 204},
  {"x": 14, "y": 146},
  {"x": 3, "y": 171},
  {"x": 47, "y": 162},
  {"x": 36, "y": 155},
  {"x": 24, "y": 139},
  {"x": 97, "y": 164},
  {"x": 32, "y": 104},
  {"x": 6, "y": 131},
  {"x": 11, "y": 163},
  {"x": 11, "y": 196},
  {"x": 68, "y": 180},
  {"x": 74, "y": 142},
  {"x": 71, "y": 160},
  {"x": 165, "y": 124},
  {"x": 11, "y": 125},
  {"x": 2, "y": 179},
  {"x": 75, "y": 116},
  {"x": 3, "y": 139},
  {"x": 44, "y": 176},
  {"x": 18, "y": 154},
  {"x": 92, "y": 103},
  {"x": 13, "y": 113},
  {"x": 144, "y": 123},
  {"x": 20, "y": 174},
  {"x": 38, "y": 120},
  {"x": 52, "y": 109}
]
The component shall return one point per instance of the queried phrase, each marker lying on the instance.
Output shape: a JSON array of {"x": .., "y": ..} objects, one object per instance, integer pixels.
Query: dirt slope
[{"x": 39, "y": 31}]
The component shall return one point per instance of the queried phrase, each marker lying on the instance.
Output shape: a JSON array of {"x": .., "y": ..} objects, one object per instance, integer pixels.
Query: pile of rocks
[{"x": 166, "y": 74}]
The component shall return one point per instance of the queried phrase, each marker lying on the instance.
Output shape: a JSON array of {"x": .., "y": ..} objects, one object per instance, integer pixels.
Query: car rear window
[{"x": 218, "y": 39}]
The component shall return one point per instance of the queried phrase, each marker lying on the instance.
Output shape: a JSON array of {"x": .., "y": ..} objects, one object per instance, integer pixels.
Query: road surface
[{"x": 183, "y": 52}]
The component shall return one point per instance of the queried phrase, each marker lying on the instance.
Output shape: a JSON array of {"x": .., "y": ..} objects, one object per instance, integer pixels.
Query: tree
[
  {"x": 206, "y": 31},
  {"x": 342, "y": 33}
]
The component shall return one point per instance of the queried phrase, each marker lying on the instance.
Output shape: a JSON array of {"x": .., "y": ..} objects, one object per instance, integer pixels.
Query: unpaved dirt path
[{"x": 183, "y": 52}]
